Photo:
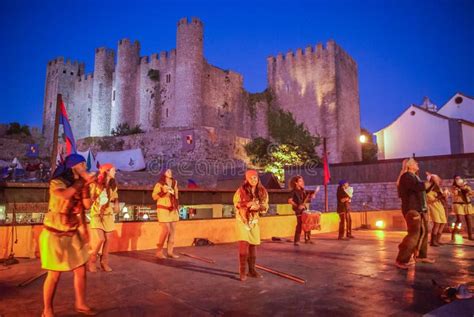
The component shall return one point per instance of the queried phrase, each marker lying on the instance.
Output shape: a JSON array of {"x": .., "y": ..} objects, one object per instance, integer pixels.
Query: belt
[{"x": 68, "y": 233}]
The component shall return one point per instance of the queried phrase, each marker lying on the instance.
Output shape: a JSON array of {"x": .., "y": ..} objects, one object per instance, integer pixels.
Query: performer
[
  {"x": 462, "y": 205},
  {"x": 166, "y": 195},
  {"x": 344, "y": 197},
  {"x": 250, "y": 200},
  {"x": 104, "y": 196},
  {"x": 412, "y": 192},
  {"x": 436, "y": 199},
  {"x": 298, "y": 200},
  {"x": 64, "y": 238}
]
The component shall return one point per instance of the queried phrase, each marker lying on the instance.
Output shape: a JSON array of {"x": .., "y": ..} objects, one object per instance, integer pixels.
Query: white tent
[
  {"x": 18, "y": 164},
  {"x": 127, "y": 160},
  {"x": 90, "y": 161}
]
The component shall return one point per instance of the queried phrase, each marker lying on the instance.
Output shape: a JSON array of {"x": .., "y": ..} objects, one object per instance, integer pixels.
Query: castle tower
[
  {"x": 189, "y": 72},
  {"x": 124, "y": 88},
  {"x": 60, "y": 79},
  {"x": 319, "y": 86},
  {"x": 102, "y": 95}
]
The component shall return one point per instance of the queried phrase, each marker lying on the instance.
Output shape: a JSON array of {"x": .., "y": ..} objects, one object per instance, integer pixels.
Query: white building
[{"x": 425, "y": 131}]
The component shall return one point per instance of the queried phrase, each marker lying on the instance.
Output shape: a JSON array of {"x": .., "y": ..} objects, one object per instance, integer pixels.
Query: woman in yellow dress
[
  {"x": 250, "y": 200},
  {"x": 436, "y": 199},
  {"x": 64, "y": 238},
  {"x": 165, "y": 193},
  {"x": 104, "y": 195},
  {"x": 462, "y": 205}
]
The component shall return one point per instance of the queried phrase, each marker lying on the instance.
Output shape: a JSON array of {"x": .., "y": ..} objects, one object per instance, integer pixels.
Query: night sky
[{"x": 405, "y": 50}]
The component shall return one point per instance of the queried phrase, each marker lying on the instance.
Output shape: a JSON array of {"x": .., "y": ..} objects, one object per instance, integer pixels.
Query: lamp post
[{"x": 326, "y": 169}]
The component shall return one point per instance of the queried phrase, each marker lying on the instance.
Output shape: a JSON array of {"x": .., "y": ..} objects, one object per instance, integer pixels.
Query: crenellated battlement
[
  {"x": 104, "y": 51},
  {"x": 85, "y": 77},
  {"x": 193, "y": 21},
  {"x": 127, "y": 43},
  {"x": 145, "y": 59},
  {"x": 59, "y": 61},
  {"x": 317, "y": 51}
]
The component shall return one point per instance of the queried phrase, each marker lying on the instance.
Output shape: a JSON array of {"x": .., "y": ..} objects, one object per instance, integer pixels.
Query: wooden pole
[
  {"x": 197, "y": 257},
  {"x": 325, "y": 153},
  {"x": 281, "y": 274},
  {"x": 54, "y": 151}
]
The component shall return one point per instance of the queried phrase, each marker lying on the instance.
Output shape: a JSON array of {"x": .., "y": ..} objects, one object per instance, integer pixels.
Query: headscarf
[{"x": 64, "y": 168}]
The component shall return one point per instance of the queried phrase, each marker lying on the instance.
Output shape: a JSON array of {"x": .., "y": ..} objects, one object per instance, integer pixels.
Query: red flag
[{"x": 327, "y": 174}]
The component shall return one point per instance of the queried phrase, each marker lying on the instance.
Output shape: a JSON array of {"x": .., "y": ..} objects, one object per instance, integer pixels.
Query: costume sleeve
[
  {"x": 410, "y": 182},
  {"x": 114, "y": 194},
  {"x": 264, "y": 204},
  {"x": 158, "y": 192}
]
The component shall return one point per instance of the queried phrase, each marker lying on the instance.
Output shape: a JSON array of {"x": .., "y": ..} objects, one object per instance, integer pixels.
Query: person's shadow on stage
[{"x": 178, "y": 264}]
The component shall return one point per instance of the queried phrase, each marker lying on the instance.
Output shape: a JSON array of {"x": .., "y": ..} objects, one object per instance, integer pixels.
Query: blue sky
[{"x": 405, "y": 50}]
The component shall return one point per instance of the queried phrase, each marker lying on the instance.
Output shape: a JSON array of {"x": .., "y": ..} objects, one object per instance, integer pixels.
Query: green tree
[
  {"x": 290, "y": 144},
  {"x": 124, "y": 129},
  {"x": 16, "y": 128},
  {"x": 369, "y": 148}
]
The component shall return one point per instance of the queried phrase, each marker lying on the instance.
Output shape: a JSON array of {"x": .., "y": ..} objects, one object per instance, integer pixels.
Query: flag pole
[
  {"x": 325, "y": 153},
  {"x": 54, "y": 152}
]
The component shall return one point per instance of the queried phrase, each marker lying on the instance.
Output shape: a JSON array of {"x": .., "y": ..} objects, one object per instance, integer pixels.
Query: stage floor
[{"x": 343, "y": 278}]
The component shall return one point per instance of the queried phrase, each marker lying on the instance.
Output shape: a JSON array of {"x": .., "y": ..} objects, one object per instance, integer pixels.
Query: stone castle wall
[
  {"x": 180, "y": 89},
  {"x": 319, "y": 87}
]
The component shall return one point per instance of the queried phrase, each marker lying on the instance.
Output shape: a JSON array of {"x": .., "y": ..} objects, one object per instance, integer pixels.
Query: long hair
[
  {"x": 403, "y": 170},
  {"x": 294, "y": 180},
  {"x": 246, "y": 192}
]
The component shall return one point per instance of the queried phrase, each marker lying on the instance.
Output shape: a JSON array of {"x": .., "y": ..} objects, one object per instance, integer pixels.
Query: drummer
[{"x": 298, "y": 201}]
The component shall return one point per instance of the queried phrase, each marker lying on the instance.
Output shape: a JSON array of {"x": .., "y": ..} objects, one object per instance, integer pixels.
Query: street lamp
[{"x": 362, "y": 138}]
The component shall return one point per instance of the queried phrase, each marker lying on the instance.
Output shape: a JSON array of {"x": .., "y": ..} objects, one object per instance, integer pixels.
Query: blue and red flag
[{"x": 64, "y": 120}]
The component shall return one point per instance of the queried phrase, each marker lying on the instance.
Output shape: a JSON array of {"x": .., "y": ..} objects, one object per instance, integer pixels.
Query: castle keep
[{"x": 179, "y": 90}]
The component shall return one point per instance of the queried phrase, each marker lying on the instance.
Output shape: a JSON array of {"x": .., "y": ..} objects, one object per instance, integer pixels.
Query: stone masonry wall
[{"x": 368, "y": 196}]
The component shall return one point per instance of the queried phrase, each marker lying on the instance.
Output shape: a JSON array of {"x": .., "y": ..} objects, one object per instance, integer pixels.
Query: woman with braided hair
[
  {"x": 250, "y": 200},
  {"x": 63, "y": 240},
  {"x": 104, "y": 195}
]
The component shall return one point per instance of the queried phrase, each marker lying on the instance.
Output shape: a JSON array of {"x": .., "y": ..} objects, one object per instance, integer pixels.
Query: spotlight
[
  {"x": 126, "y": 216},
  {"x": 145, "y": 216},
  {"x": 379, "y": 224}
]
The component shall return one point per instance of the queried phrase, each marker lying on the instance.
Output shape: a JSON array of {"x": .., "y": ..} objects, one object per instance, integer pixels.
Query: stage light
[
  {"x": 363, "y": 138},
  {"x": 126, "y": 216},
  {"x": 145, "y": 216},
  {"x": 379, "y": 224},
  {"x": 459, "y": 225}
]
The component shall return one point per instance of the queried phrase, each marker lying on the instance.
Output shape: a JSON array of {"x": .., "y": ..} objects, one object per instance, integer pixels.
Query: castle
[{"x": 179, "y": 90}]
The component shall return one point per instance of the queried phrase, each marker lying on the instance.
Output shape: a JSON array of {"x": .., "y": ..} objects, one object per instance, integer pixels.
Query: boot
[
  {"x": 438, "y": 239},
  {"x": 91, "y": 264},
  {"x": 453, "y": 233},
  {"x": 242, "y": 268},
  {"x": 104, "y": 262},
  {"x": 469, "y": 227},
  {"x": 159, "y": 252},
  {"x": 252, "y": 271},
  {"x": 434, "y": 242},
  {"x": 170, "y": 251}
]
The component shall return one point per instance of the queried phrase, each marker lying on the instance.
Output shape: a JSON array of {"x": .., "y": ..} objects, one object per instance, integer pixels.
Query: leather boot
[
  {"x": 242, "y": 266},
  {"x": 170, "y": 251},
  {"x": 252, "y": 271},
  {"x": 469, "y": 227},
  {"x": 159, "y": 252},
  {"x": 91, "y": 264},
  {"x": 104, "y": 262}
]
